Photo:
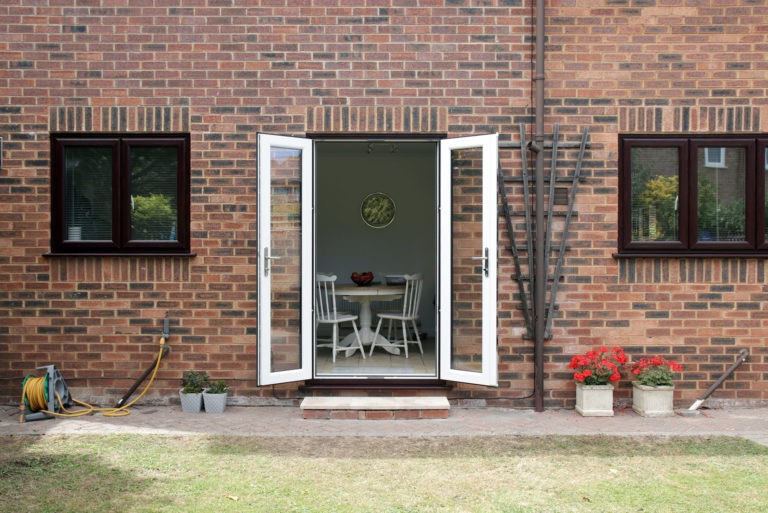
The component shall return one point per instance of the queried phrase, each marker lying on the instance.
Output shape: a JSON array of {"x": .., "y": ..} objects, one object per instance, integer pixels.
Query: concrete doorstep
[{"x": 375, "y": 408}]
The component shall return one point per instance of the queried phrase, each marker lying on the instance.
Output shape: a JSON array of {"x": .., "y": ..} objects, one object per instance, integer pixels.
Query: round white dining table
[{"x": 365, "y": 295}]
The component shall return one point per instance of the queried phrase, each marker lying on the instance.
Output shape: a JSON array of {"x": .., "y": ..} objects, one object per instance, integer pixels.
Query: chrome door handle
[
  {"x": 268, "y": 261},
  {"x": 484, "y": 258}
]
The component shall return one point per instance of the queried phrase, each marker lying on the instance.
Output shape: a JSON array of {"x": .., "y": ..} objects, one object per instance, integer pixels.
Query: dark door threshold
[{"x": 316, "y": 385}]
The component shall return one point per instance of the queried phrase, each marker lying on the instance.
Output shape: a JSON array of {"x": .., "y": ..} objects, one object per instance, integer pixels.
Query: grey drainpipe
[{"x": 540, "y": 283}]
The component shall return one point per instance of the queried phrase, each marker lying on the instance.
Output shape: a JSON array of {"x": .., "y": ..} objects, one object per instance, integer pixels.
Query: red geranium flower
[
  {"x": 599, "y": 366},
  {"x": 656, "y": 371}
]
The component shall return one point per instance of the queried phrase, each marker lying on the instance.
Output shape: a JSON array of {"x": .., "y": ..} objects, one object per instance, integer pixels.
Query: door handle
[
  {"x": 484, "y": 258},
  {"x": 268, "y": 261}
]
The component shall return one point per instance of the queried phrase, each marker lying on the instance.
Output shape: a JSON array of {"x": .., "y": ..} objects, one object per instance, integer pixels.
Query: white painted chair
[
  {"x": 407, "y": 316},
  {"x": 326, "y": 313}
]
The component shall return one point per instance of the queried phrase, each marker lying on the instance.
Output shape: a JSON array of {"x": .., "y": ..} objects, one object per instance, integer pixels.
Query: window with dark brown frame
[
  {"x": 120, "y": 193},
  {"x": 693, "y": 195}
]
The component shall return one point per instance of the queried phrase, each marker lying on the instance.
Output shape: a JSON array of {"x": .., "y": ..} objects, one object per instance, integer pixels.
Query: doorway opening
[
  {"x": 401, "y": 176},
  {"x": 465, "y": 230}
]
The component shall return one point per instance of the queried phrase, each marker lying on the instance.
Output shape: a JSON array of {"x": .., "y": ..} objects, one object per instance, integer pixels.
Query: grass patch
[{"x": 135, "y": 473}]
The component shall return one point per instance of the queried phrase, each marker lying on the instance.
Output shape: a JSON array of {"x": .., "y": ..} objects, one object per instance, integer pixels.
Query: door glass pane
[
  {"x": 655, "y": 194},
  {"x": 285, "y": 222},
  {"x": 88, "y": 193},
  {"x": 466, "y": 269},
  {"x": 154, "y": 201},
  {"x": 721, "y": 186}
]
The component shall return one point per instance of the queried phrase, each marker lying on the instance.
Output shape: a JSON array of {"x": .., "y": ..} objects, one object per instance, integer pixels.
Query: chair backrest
[
  {"x": 325, "y": 297},
  {"x": 412, "y": 296}
]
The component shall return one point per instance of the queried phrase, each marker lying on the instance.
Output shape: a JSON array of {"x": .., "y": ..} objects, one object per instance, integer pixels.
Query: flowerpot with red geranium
[
  {"x": 653, "y": 391},
  {"x": 595, "y": 373}
]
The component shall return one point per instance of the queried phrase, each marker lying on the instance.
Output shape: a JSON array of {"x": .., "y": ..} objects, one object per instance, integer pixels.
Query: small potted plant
[
  {"x": 191, "y": 393},
  {"x": 215, "y": 397},
  {"x": 595, "y": 373},
  {"x": 653, "y": 390}
]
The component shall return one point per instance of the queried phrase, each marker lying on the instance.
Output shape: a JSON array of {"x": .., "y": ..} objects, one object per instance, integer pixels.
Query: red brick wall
[
  {"x": 657, "y": 67},
  {"x": 226, "y": 70}
]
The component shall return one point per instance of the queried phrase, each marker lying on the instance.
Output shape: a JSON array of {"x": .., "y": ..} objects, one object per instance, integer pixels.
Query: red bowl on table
[{"x": 362, "y": 279}]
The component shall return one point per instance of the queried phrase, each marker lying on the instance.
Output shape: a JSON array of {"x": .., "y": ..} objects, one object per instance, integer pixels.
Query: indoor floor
[{"x": 381, "y": 363}]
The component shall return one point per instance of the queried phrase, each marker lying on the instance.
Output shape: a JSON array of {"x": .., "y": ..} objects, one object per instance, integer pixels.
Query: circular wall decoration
[{"x": 377, "y": 210}]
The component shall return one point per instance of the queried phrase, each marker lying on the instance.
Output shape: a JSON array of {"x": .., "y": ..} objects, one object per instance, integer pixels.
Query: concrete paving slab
[{"x": 288, "y": 421}]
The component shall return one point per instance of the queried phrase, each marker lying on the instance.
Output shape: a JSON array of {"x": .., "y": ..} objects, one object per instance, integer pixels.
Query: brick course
[{"x": 225, "y": 71}]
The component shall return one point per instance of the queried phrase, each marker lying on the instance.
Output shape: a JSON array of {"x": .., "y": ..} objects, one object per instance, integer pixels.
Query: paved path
[{"x": 287, "y": 421}]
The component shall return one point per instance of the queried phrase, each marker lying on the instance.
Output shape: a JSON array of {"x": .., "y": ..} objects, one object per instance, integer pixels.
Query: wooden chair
[
  {"x": 326, "y": 313},
  {"x": 407, "y": 316}
]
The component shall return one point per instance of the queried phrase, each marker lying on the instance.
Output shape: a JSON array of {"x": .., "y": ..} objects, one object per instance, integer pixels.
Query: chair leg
[
  {"x": 375, "y": 336},
  {"x": 335, "y": 343},
  {"x": 359, "y": 342},
  {"x": 418, "y": 338},
  {"x": 405, "y": 338}
]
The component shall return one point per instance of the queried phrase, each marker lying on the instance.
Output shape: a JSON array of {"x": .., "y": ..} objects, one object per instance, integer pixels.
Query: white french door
[
  {"x": 286, "y": 256},
  {"x": 468, "y": 251},
  {"x": 467, "y": 259}
]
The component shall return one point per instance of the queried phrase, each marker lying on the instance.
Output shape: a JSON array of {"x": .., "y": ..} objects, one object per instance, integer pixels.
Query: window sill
[
  {"x": 105, "y": 254},
  {"x": 690, "y": 254}
]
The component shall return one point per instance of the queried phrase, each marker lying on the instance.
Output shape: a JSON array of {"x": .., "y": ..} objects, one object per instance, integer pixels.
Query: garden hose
[
  {"x": 34, "y": 396},
  {"x": 34, "y": 393}
]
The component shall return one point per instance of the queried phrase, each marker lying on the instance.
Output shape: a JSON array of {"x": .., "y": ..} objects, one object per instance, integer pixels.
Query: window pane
[
  {"x": 714, "y": 157},
  {"x": 655, "y": 194},
  {"x": 286, "y": 229},
  {"x": 721, "y": 209},
  {"x": 765, "y": 181},
  {"x": 88, "y": 193},
  {"x": 466, "y": 274},
  {"x": 154, "y": 202}
]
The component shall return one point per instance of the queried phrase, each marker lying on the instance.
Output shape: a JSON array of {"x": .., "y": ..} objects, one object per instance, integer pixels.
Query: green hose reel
[{"x": 55, "y": 391}]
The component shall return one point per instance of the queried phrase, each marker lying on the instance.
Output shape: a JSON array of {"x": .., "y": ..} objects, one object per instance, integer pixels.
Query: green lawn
[{"x": 156, "y": 474}]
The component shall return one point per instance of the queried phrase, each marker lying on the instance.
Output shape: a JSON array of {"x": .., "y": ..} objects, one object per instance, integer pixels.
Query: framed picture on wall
[{"x": 378, "y": 210}]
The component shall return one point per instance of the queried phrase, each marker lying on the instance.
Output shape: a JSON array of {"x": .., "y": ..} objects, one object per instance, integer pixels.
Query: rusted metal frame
[
  {"x": 550, "y": 212},
  {"x": 515, "y": 252},
  {"x": 564, "y": 240},
  {"x": 527, "y": 208}
]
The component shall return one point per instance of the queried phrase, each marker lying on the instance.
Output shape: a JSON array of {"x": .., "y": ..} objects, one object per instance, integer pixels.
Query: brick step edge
[{"x": 375, "y": 408}]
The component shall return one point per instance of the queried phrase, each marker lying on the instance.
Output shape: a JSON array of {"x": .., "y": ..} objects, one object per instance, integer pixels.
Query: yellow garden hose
[{"x": 34, "y": 392}]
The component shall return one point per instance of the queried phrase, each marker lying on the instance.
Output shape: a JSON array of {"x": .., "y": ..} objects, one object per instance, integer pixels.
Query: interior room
[{"x": 375, "y": 211}]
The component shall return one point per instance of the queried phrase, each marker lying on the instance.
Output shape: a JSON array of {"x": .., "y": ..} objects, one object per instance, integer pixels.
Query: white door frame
[
  {"x": 488, "y": 374},
  {"x": 267, "y": 144},
  {"x": 489, "y": 146}
]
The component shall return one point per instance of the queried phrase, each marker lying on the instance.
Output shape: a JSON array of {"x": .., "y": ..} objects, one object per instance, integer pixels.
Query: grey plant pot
[
  {"x": 191, "y": 403},
  {"x": 214, "y": 403}
]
